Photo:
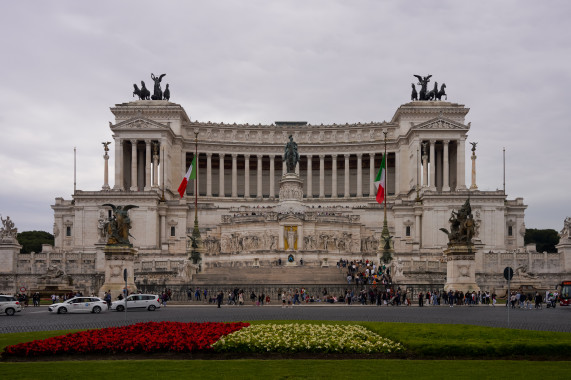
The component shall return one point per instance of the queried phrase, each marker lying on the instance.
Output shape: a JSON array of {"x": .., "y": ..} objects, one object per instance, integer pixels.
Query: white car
[
  {"x": 138, "y": 301},
  {"x": 80, "y": 305},
  {"x": 9, "y": 305}
]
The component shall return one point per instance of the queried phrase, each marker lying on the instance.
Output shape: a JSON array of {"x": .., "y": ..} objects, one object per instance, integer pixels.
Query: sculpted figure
[
  {"x": 462, "y": 225},
  {"x": 119, "y": 224},
  {"x": 291, "y": 155},
  {"x": 423, "y": 82},
  {"x": 8, "y": 230},
  {"x": 157, "y": 92}
]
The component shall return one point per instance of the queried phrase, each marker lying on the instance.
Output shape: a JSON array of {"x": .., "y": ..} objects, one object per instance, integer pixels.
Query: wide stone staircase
[{"x": 272, "y": 275}]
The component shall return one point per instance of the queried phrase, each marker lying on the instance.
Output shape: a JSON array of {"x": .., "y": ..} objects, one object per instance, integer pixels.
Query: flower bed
[
  {"x": 290, "y": 338},
  {"x": 146, "y": 337}
]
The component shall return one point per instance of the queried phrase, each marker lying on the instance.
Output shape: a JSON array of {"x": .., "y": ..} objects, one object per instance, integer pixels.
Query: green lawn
[
  {"x": 428, "y": 341},
  {"x": 287, "y": 369}
]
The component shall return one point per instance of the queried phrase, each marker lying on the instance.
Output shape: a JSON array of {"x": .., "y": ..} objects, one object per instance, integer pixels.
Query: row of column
[
  {"x": 309, "y": 175},
  {"x": 151, "y": 164},
  {"x": 429, "y": 176}
]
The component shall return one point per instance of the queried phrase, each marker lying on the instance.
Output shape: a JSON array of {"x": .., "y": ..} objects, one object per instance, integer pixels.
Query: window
[
  {"x": 407, "y": 230},
  {"x": 173, "y": 231},
  {"x": 68, "y": 231},
  {"x": 510, "y": 231}
]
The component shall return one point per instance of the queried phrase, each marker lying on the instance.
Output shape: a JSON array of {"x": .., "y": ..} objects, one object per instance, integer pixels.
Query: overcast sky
[{"x": 65, "y": 63}]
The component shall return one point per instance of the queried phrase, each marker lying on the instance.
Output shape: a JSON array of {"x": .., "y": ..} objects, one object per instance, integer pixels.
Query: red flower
[{"x": 146, "y": 337}]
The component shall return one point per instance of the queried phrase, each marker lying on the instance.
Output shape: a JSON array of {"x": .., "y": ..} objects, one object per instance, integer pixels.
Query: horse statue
[
  {"x": 432, "y": 94},
  {"x": 136, "y": 91},
  {"x": 145, "y": 93},
  {"x": 441, "y": 93},
  {"x": 167, "y": 93},
  {"x": 414, "y": 95},
  {"x": 423, "y": 82},
  {"x": 291, "y": 156}
]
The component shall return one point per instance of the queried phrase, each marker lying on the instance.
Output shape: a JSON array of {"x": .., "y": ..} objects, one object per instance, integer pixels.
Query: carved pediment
[
  {"x": 138, "y": 123},
  {"x": 442, "y": 124}
]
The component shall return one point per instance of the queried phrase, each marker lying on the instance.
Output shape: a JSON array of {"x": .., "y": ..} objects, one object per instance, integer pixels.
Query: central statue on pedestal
[{"x": 291, "y": 155}]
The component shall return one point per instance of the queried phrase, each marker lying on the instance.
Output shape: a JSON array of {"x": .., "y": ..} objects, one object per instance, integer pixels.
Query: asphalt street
[{"x": 40, "y": 319}]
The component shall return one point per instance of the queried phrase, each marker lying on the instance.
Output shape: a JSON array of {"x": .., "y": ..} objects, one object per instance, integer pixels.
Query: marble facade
[{"x": 247, "y": 212}]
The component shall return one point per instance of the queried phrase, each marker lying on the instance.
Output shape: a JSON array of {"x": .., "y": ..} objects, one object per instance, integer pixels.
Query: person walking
[{"x": 219, "y": 298}]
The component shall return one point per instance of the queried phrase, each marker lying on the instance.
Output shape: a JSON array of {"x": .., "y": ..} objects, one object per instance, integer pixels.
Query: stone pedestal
[
  {"x": 461, "y": 268},
  {"x": 9, "y": 249},
  {"x": 118, "y": 258}
]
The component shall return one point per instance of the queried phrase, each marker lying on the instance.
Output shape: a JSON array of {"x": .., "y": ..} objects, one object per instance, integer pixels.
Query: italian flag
[
  {"x": 190, "y": 174},
  {"x": 380, "y": 182}
]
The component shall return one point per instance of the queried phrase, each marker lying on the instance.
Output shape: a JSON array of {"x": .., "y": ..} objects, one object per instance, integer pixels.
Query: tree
[
  {"x": 31, "y": 241},
  {"x": 545, "y": 240}
]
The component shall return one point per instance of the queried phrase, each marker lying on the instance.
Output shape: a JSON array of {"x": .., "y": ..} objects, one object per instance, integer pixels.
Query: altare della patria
[{"x": 279, "y": 205}]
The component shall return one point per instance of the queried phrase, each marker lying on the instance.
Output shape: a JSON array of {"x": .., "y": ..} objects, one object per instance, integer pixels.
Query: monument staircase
[{"x": 277, "y": 275}]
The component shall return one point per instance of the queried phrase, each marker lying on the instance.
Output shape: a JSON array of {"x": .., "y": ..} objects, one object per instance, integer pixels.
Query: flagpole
[
  {"x": 385, "y": 235},
  {"x": 196, "y": 180},
  {"x": 74, "y": 171},
  {"x": 195, "y": 254}
]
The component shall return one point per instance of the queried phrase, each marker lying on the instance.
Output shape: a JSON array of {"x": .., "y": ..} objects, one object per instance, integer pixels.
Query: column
[
  {"x": 134, "y": 165},
  {"x": 208, "y": 174},
  {"x": 284, "y": 168},
  {"x": 106, "y": 170},
  {"x": 221, "y": 193},
  {"x": 371, "y": 174},
  {"x": 446, "y": 174},
  {"x": 397, "y": 172},
  {"x": 246, "y": 176},
  {"x": 432, "y": 166},
  {"x": 418, "y": 165},
  {"x": 309, "y": 177},
  {"x": 359, "y": 175},
  {"x": 259, "y": 194},
  {"x": 234, "y": 175},
  {"x": 346, "y": 191},
  {"x": 272, "y": 176},
  {"x": 424, "y": 165},
  {"x": 333, "y": 176},
  {"x": 156, "y": 165},
  {"x": 118, "y": 164},
  {"x": 148, "y": 165},
  {"x": 417, "y": 226},
  {"x": 163, "y": 160},
  {"x": 473, "y": 186},
  {"x": 321, "y": 176},
  {"x": 461, "y": 164},
  {"x": 163, "y": 226}
]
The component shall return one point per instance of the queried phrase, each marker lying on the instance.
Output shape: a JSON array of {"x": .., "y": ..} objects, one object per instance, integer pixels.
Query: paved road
[{"x": 39, "y": 319}]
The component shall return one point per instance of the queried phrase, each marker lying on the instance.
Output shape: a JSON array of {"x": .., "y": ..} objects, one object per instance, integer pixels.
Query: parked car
[
  {"x": 138, "y": 301},
  {"x": 80, "y": 305},
  {"x": 9, "y": 305}
]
